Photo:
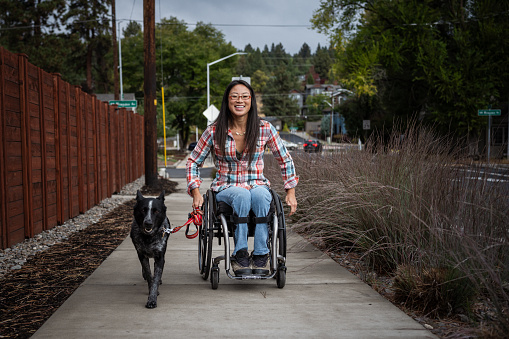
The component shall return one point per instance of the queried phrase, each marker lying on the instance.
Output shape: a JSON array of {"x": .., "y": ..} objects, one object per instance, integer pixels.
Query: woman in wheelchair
[{"x": 237, "y": 140}]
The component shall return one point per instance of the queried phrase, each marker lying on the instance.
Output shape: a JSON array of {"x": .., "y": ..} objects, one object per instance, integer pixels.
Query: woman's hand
[
  {"x": 291, "y": 200},
  {"x": 197, "y": 200}
]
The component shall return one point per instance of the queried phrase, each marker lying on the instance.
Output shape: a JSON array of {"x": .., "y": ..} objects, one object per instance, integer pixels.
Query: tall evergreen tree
[
  {"x": 89, "y": 20},
  {"x": 29, "y": 26}
]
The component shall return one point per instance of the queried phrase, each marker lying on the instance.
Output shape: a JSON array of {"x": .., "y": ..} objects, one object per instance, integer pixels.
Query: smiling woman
[{"x": 237, "y": 140}]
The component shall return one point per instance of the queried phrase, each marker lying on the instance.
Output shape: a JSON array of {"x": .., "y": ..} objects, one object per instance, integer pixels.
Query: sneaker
[
  {"x": 240, "y": 263},
  {"x": 260, "y": 264}
]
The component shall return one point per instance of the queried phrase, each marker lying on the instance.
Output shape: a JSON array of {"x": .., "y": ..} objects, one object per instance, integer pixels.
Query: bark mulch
[{"x": 29, "y": 296}]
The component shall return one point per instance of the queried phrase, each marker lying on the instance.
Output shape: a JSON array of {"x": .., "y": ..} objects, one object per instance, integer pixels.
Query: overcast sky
[{"x": 241, "y": 22}]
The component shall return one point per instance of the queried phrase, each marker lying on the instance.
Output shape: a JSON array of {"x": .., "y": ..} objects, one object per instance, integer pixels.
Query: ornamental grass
[{"x": 417, "y": 210}]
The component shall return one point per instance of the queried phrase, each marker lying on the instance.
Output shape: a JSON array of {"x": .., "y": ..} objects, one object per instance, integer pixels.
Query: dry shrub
[
  {"x": 433, "y": 291},
  {"x": 409, "y": 201}
]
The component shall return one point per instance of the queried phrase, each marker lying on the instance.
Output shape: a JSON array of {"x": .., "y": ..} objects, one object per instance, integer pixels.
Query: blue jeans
[{"x": 242, "y": 201}]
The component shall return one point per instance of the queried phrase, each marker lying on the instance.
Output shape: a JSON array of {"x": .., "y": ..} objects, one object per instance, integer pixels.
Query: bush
[
  {"x": 413, "y": 210},
  {"x": 433, "y": 291}
]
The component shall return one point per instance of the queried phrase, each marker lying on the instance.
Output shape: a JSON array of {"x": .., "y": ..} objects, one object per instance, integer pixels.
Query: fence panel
[
  {"x": 49, "y": 149},
  {"x": 72, "y": 167},
  {"x": 62, "y": 151},
  {"x": 3, "y": 223},
  {"x": 91, "y": 151},
  {"x": 34, "y": 148},
  {"x": 121, "y": 146},
  {"x": 12, "y": 144}
]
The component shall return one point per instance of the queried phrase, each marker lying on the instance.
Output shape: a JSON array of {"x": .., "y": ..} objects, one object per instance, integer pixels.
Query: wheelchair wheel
[
  {"x": 206, "y": 236},
  {"x": 214, "y": 277},
  {"x": 281, "y": 234},
  {"x": 281, "y": 276}
]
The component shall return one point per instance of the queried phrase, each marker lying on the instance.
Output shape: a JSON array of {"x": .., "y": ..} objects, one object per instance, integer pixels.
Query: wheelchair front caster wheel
[
  {"x": 214, "y": 277},
  {"x": 281, "y": 276}
]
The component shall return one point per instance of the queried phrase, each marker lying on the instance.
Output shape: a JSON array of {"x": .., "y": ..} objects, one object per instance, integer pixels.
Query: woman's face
[{"x": 239, "y": 101}]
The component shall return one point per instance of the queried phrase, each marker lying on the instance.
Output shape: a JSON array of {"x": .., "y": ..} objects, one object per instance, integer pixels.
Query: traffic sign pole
[
  {"x": 489, "y": 138},
  {"x": 164, "y": 128},
  {"x": 489, "y": 113}
]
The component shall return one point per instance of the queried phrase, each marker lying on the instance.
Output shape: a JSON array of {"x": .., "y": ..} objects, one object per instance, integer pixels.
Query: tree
[
  {"x": 436, "y": 59},
  {"x": 304, "y": 52},
  {"x": 250, "y": 63},
  {"x": 259, "y": 80},
  {"x": 132, "y": 58},
  {"x": 29, "y": 27},
  {"x": 276, "y": 99},
  {"x": 316, "y": 104},
  {"x": 184, "y": 57},
  {"x": 89, "y": 21},
  {"x": 322, "y": 61}
]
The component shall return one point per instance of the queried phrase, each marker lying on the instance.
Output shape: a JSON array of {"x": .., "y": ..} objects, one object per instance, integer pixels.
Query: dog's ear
[
  {"x": 139, "y": 197},
  {"x": 161, "y": 196}
]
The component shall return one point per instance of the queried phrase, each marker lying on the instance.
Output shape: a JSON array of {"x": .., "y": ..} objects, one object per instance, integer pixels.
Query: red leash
[{"x": 194, "y": 217}]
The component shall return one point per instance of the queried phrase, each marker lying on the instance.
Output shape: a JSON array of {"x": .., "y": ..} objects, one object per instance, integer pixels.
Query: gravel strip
[{"x": 15, "y": 257}]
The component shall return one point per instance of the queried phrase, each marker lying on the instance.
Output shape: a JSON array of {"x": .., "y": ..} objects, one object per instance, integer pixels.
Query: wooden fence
[{"x": 62, "y": 151}]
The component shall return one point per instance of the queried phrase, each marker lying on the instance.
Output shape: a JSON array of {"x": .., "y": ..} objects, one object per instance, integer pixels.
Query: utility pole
[
  {"x": 149, "y": 88},
  {"x": 115, "y": 50}
]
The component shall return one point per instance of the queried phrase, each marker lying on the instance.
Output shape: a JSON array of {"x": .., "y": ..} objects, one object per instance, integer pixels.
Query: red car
[{"x": 312, "y": 146}]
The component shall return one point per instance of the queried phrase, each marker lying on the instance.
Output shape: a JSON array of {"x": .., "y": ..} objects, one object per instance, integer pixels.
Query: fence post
[{"x": 3, "y": 195}]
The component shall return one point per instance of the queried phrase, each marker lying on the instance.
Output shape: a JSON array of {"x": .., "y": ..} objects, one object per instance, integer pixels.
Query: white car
[{"x": 290, "y": 145}]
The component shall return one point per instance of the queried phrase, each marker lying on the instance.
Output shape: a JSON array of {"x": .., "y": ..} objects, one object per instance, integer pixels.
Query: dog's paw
[{"x": 151, "y": 304}]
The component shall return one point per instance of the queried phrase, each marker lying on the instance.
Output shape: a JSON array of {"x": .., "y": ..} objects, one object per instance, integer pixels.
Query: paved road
[
  {"x": 181, "y": 172},
  {"x": 320, "y": 300},
  {"x": 496, "y": 175}
]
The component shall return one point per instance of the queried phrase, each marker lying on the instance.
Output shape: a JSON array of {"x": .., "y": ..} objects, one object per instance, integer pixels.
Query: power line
[
  {"x": 132, "y": 9},
  {"x": 170, "y": 24}
]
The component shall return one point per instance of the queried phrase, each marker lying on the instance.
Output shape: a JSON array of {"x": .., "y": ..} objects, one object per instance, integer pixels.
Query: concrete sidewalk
[{"x": 320, "y": 300}]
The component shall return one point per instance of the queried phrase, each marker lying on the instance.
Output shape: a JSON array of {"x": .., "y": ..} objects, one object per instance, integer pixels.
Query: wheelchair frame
[{"x": 217, "y": 224}]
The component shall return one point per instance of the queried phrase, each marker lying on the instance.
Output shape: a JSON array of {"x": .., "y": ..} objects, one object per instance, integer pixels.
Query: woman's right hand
[{"x": 197, "y": 200}]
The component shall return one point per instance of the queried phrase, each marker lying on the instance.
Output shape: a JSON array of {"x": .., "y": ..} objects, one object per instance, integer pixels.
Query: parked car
[
  {"x": 290, "y": 145},
  {"x": 191, "y": 146},
  {"x": 312, "y": 146}
]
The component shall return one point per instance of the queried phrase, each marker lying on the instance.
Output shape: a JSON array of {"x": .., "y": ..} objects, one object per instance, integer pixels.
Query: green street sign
[
  {"x": 488, "y": 112},
  {"x": 124, "y": 103}
]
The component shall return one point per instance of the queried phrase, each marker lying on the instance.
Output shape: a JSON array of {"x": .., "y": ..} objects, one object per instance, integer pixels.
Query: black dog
[{"x": 150, "y": 233}]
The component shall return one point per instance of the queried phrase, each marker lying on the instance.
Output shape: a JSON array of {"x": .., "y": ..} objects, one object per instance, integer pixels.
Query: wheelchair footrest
[{"x": 252, "y": 277}]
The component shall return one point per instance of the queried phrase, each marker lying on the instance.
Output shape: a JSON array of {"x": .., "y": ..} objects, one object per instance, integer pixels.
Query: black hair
[{"x": 225, "y": 116}]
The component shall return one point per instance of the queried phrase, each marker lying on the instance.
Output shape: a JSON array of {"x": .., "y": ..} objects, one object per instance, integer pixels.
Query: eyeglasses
[{"x": 244, "y": 97}]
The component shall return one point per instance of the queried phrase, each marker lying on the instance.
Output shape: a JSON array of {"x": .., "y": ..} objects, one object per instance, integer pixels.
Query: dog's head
[{"x": 149, "y": 213}]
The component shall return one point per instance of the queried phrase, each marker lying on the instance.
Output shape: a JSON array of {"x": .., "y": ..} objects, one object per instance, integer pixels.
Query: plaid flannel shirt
[{"x": 242, "y": 173}]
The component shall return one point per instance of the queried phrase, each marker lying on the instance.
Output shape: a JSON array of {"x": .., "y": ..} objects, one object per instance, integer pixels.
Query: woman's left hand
[{"x": 291, "y": 200}]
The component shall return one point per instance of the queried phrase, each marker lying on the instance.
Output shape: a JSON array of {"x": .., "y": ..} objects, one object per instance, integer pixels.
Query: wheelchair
[{"x": 219, "y": 222}]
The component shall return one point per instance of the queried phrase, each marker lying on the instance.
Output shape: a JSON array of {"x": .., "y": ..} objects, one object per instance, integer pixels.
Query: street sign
[
  {"x": 246, "y": 79},
  {"x": 211, "y": 114},
  {"x": 124, "y": 103},
  {"x": 366, "y": 124},
  {"x": 488, "y": 112}
]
